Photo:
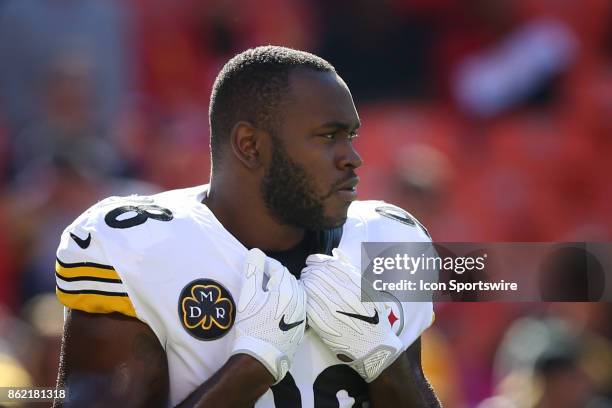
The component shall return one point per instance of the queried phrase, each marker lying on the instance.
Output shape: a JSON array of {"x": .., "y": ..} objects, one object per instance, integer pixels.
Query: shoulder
[
  {"x": 127, "y": 222},
  {"x": 387, "y": 222},
  {"x": 94, "y": 249}
]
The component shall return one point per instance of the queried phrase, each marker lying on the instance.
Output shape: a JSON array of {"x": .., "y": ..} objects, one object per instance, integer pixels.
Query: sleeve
[
  {"x": 85, "y": 280},
  {"x": 389, "y": 223}
]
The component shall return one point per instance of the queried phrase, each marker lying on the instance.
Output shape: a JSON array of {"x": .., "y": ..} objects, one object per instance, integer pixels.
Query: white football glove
[
  {"x": 358, "y": 332},
  {"x": 270, "y": 314}
]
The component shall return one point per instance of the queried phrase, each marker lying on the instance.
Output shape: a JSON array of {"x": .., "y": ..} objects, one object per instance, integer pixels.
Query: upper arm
[
  {"x": 111, "y": 359},
  {"x": 403, "y": 383},
  {"x": 414, "y": 378},
  {"x": 413, "y": 357},
  {"x": 108, "y": 355}
]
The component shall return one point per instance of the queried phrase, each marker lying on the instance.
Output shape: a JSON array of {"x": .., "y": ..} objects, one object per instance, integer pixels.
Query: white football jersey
[{"x": 167, "y": 261}]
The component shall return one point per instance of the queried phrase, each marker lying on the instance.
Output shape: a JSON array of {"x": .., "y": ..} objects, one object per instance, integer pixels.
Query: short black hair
[{"x": 251, "y": 87}]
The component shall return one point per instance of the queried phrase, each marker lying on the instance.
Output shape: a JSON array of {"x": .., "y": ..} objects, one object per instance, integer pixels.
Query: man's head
[
  {"x": 252, "y": 87},
  {"x": 287, "y": 120}
]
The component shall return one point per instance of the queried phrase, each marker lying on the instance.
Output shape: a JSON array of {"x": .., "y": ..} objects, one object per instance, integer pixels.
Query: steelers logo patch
[
  {"x": 394, "y": 312},
  {"x": 206, "y": 309}
]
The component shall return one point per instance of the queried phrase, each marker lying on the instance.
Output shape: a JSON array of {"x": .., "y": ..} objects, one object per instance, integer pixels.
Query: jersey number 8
[{"x": 141, "y": 214}]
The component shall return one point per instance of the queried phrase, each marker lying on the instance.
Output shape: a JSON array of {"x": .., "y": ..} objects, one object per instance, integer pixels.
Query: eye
[{"x": 330, "y": 136}]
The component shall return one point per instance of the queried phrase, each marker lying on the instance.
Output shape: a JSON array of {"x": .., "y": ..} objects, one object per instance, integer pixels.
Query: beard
[{"x": 290, "y": 195}]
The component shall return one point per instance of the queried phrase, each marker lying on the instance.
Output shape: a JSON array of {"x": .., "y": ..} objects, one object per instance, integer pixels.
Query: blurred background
[{"x": 489, "y": 120}]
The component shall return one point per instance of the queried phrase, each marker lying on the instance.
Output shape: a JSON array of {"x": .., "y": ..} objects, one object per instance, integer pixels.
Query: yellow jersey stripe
[
  {"x": 87, "y": 301},
  {"x": 85, "y": 270}
]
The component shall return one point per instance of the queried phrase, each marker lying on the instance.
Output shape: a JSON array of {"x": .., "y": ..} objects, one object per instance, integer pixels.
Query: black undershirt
[{"x": 294, "y": 259}]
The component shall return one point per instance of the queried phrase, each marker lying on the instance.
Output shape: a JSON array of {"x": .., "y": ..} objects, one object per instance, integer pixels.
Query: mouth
[
  {"x": 348, "y": 189},
  {"x": 349, "y": 185}
]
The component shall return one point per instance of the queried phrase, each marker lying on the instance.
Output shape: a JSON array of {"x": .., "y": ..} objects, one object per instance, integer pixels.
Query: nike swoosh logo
[
  {"x": 288, "y": 326},
  {"x": 83, "y": 243},
  {"x": 367, "y": 319}
]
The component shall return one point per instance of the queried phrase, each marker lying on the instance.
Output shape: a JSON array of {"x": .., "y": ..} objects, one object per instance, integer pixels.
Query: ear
[{"x": 245, "y": 143}]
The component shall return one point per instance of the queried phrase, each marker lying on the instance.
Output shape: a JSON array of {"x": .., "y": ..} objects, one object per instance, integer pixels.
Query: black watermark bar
[{"x": 480, "y": 272}]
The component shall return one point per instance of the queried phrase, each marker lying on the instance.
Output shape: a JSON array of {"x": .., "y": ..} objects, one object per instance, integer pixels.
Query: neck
[{"x": 241, "y": 210}]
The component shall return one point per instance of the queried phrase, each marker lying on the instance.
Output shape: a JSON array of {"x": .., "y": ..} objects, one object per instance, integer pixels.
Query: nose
[{"x": 348, "y": 157}]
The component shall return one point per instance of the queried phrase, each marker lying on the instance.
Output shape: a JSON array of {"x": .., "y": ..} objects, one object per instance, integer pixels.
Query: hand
[
  {"x": 357, "y": 332},
  {"x": 270, "y": 314}
]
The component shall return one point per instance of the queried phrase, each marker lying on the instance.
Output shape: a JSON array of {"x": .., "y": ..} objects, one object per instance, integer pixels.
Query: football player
[{"x": 200, "y": 296}]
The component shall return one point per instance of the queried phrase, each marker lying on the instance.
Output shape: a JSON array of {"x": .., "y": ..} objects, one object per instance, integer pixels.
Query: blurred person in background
[
  {"x": 35, "y": 36},
  {"x": 66, "y": 126},
  {"x": 564, "y": 382},
  {"x": 555, "y": 358}
]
